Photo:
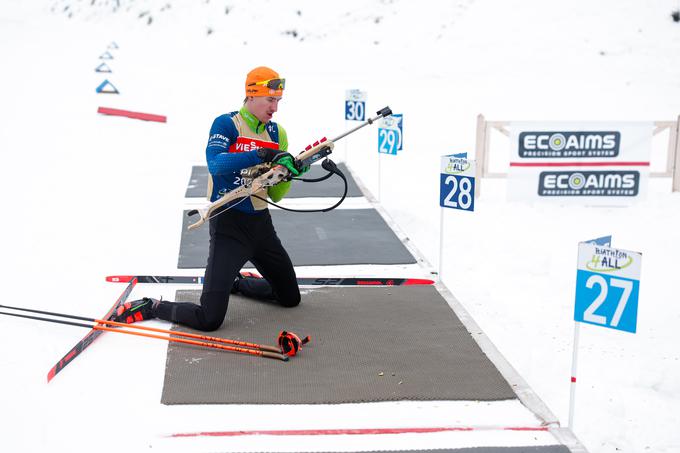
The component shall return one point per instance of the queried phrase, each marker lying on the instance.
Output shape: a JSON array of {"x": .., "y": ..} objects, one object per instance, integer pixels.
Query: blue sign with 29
[{"x": 390, "y": 135}]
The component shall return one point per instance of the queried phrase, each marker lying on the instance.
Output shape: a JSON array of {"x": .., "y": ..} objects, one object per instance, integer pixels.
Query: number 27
[{"x": 589, "y": 314}]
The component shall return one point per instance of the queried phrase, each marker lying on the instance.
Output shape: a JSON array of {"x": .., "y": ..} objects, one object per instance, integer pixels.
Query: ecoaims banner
[{"x": 582, "y": 163}]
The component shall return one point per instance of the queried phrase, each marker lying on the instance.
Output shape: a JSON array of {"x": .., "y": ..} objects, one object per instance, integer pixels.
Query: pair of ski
[
  {"x": 91, "y": 335},
  {"x": 132, "y": 280},
  {"x": 303, "y": 281}
]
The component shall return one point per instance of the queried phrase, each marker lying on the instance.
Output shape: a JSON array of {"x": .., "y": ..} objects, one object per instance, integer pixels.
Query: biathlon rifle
[{"x": 277, "y": 173}]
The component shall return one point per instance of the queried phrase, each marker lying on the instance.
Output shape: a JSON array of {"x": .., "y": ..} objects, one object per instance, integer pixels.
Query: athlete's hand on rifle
[
  {"x": 295, "y": 167},
  {"x": 301, "y": 168},
  {"x": 280, "y": 158}
]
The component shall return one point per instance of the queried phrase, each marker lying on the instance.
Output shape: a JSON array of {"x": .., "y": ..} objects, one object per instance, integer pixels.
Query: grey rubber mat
[
  {"x": 341, "y": 236},
  {"x": 368, "y": 344},
  {"x": 198, "y": 182},
  {"x": 331, "y": 187}
]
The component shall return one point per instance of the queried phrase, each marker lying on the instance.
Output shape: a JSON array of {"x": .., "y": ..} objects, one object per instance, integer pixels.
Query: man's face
[{"x": 263, "y": 107}]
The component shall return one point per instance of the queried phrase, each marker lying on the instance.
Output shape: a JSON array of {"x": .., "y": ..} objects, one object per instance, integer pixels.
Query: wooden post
[
  {"x": 670, "y": 155},
  {"x": 480, "y": 153},
  {"x": 676, "y": 151}
]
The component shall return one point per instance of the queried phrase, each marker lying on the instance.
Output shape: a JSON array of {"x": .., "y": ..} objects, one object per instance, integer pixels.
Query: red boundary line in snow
[
  {"x": 362, "y": 431},
  {"x": 134, "y": 115},
  {"x": 579, "y": 164}
]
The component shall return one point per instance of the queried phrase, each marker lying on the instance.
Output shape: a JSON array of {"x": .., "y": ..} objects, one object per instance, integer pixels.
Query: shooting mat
[
  {"x": 341, "y": 236},
  {"x": 332, "y": 187},
  {"x": 368, "y": 344}
]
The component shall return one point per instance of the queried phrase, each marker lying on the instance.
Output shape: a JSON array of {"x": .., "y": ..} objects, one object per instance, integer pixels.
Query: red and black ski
[
  {"x": 320, "y": 281},
  {"x": 91, "y": 335}
]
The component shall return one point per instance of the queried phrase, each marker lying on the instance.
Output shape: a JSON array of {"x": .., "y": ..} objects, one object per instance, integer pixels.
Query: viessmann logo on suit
[
  {"x": 605, "y": 183},
  {"x": 569, "y": 144}
]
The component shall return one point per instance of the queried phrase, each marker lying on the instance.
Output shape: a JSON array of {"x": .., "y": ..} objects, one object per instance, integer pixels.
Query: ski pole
[
  {"x": 268, "y": 354},
  {"x": 246, "y": 344}
]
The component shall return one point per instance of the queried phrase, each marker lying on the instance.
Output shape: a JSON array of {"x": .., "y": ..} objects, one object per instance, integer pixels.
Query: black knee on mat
[
  {"x": 290, "y": 302},
  {"x": 211, "y": 326},
  {"x": 210, "y": 315}
]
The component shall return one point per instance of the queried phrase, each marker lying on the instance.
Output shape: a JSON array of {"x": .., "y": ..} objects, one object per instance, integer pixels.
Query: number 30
[{"x": 355, "y": 110}]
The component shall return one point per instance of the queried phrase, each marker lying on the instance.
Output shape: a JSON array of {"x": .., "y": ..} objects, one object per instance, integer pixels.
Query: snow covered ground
[{"x": 85, "y": 196}]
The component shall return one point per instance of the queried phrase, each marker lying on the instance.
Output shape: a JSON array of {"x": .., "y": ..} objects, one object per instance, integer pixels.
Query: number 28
[{"x": 463, "y": 196}]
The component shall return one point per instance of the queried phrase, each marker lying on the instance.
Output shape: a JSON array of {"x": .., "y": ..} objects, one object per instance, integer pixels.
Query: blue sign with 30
[{"x": 355, "y": 105}]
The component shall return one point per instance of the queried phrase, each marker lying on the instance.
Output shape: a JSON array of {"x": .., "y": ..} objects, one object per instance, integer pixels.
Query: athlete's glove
[
  {"x": 279, "y": 158},
  {"x": 300, "y": 168}
]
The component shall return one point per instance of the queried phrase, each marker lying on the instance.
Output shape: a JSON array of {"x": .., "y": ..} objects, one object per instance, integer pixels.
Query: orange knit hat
[{"x": 256, "y": 86}]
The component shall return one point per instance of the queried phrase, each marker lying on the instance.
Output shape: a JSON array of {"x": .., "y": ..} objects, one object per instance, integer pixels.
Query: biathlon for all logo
[{"x": 571, "y": 161}]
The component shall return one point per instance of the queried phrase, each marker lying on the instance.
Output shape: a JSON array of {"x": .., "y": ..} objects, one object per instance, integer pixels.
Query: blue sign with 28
[{"x": 457, "y": 183}]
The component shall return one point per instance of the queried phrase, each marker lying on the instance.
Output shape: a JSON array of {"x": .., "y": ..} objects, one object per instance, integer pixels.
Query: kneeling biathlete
[{"x": 244, "y": 231}]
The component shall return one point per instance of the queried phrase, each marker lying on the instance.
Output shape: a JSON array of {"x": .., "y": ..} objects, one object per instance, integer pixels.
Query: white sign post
[
  {"x": 390, "y": 139},
  {"x": 456, "y": 191},
  {"x": 607, "y": 291},
  {"x": 355, "y": 109}
]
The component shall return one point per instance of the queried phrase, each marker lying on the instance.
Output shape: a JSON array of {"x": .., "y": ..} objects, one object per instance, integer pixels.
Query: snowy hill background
[{"x": 85, "y": 196}]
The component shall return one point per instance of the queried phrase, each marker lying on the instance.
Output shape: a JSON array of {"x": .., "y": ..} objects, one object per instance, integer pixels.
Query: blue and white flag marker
[
  {"x": 607, "y": 292},
  {"x": 107, "y": 87},
  {"x": 103, "y": 68}
]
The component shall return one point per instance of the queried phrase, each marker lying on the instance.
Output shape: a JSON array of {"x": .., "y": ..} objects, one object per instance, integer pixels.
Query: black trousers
[{"x": 235, "y": 238}]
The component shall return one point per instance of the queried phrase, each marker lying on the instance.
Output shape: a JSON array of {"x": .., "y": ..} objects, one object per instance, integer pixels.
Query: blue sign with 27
[{"x": 607, "y": 287}]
